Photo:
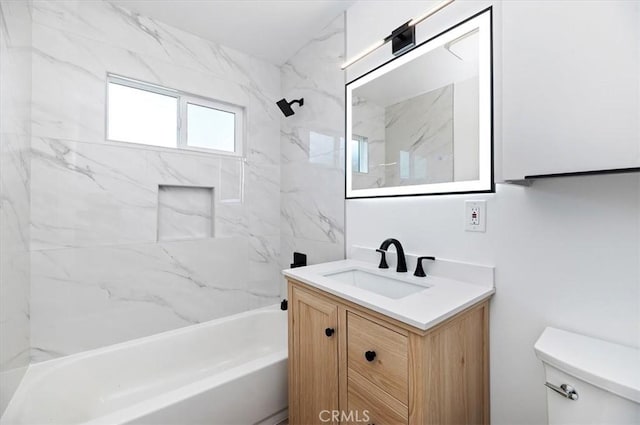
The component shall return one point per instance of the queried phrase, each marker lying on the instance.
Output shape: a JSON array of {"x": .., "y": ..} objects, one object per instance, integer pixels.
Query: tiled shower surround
[
  {"x": 312, "y": 149},
  {"x": 15, "y": 125},
  {"x": 98, "y": 273}
]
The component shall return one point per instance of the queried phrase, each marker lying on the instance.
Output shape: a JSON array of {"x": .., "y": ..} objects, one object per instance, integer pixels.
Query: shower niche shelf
[{"x": 185, "y": 212}]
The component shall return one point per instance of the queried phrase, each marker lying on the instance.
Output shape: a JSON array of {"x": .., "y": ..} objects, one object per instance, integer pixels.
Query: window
[
  {"x": 139, "y": 112},
  {"x": 360, "y": 154}
]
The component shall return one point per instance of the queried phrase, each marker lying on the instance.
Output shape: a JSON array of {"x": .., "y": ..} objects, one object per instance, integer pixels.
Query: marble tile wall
[
  {"x": 185, "y": 213},
  {"x": 312, "y": 150},
  {"x": 99, "y": 276},
  {"x": 15, "y": 124},
  {"x": 428, "y": 142}
]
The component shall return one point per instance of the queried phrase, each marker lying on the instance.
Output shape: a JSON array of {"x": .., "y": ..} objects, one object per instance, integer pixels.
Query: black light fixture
[
  {"x": 403, "y": 38},
  {"x": 285, "y": 106}
]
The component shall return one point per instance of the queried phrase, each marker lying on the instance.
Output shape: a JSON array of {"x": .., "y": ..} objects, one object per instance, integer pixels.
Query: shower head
[{"x": 285, "y": 106}]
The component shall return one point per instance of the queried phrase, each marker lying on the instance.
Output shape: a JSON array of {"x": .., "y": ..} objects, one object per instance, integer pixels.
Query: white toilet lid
[{"x": 612, "y": 367}]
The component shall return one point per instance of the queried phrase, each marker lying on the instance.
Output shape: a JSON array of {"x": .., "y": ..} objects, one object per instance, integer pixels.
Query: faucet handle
[
  {"x": 383, "y": 259},
  {"x": 419, "y": 270}
]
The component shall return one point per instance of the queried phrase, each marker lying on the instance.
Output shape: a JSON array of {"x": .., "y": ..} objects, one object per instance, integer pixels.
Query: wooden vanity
[{"x": 373, "y": 369}]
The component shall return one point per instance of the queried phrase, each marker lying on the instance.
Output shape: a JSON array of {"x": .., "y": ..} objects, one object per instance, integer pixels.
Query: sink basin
[{"x": 382, "y": 285}]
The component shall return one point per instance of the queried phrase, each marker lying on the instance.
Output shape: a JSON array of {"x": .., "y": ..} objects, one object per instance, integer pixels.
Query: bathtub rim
[
  {"x": 46, "y": 367},
  {"x": 150, "y": 338}
]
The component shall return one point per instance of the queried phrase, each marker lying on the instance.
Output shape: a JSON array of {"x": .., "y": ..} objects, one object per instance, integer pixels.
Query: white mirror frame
[{"x": 485, "y": 183}]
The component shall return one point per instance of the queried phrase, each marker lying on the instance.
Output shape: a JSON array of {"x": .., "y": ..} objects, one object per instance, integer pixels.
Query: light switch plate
[{"x": 475, "y": 216}]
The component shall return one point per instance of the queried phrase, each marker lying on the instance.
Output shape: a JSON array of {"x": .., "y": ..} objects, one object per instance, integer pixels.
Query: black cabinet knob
[
  {"x": 370, "y": 355},
  {"x": 329, "y": 331}
]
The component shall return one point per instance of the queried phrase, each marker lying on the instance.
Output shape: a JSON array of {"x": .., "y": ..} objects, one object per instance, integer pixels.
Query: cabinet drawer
[
  {"x": 388, "y": 369},
  {"x": 367, "y": 400}
]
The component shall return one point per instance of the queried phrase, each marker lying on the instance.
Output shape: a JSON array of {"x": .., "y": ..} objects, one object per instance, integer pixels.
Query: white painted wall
[{"x": 566, "y": 251}]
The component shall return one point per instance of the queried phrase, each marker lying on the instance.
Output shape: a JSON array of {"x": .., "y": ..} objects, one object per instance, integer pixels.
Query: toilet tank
[{"x": 604, "y": 377}]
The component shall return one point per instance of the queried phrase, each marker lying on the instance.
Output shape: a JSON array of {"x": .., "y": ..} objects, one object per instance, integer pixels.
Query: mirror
[{"x": 422, "y": 122}]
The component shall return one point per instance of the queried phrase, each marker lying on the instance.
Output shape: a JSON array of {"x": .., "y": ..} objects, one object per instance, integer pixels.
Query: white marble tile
[
  {"x": 185, "y": 212},
  {"x": 232, "y": 172},
  {"x": 263, "y": 136},
  {"x": 107, "y": 23},
  {"x": 15, "y": 67},
  {"x": 74, "y": 107},
  {"x": 15, "y": 102},
  {"x": 86, "y": 194},
  {"x": 262, "y": 197},
  {"x": 183, "y": 168},
  {"x": 99, "y": 275},
  {"x": 312, "y": 151},
  {"x": 312, "y": 202},
  {"x": 428, "y": 144},
  {"x": 15, "y": 181},
  {"x": 14, "y": 309},
  {"x": 89, "y": 297}
]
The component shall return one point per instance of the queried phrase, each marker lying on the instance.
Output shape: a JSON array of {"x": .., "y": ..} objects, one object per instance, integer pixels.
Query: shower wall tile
[
  {"x": 15, "y": 180},
  {"x": 231, "y": 180},
  {"x": 99, "y": 274},
  {"x": 185, "y": 212},
  {"x": 74, "y": 107},
  {"x": 428, "y": 141},
  {"x": 87, "y": 194},
  {"x": 312, "y": 150},
  {"x": 85, "y": 298}
]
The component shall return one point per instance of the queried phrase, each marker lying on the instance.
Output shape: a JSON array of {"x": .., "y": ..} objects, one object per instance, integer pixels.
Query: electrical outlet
[{"x": 475, "y": 216}]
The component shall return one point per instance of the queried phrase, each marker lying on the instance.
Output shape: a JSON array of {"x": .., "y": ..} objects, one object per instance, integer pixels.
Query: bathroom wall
[
  {"x": 566, "y": 251},
  {"x": 99, "y": 273},
  {"x": 312, "y": 150},
  {"x": 15, "y": 125}
]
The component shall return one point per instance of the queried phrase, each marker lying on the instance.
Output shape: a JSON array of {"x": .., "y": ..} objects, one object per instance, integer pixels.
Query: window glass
[
  {"x": 141, "y": 116},
  {"x": 210, "y": 128},
  {"x": 139, "y": 112},
  {"x": 360, "y": 154}
]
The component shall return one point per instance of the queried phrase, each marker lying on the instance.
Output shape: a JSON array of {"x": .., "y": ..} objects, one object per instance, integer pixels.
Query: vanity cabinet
[
  {"x": 373, "y": 369},
  {"x": 570, "y": 87}
]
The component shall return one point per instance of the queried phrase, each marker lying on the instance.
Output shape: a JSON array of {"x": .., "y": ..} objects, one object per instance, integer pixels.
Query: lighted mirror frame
[{"x": 485, "y": 183}]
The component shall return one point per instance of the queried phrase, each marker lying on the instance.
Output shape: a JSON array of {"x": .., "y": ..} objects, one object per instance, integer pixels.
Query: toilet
[{"x": 589, "y": 381}]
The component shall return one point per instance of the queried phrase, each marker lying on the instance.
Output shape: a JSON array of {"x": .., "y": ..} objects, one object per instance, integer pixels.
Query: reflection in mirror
[{"x": 415, "y": 123}]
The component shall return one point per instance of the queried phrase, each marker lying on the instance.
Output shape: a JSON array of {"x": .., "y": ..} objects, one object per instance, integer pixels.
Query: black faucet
[{"x": 402, "y": 262}]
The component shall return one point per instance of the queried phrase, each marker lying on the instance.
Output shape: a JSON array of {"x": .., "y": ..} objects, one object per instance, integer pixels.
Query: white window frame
[
  {"x": 363, "y": 146},
  {"x": 184, "y": 99}
]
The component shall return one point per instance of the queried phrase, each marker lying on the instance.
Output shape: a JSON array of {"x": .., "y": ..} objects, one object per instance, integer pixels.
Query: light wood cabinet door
[{"x": 314, "y": 367}]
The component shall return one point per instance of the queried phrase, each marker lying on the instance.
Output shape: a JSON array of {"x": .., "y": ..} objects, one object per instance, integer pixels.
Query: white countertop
[{"x": 442, "y": 298}]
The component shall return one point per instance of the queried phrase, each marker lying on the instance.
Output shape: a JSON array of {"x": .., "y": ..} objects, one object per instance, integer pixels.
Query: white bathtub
[{"x": 227, "y": 371}]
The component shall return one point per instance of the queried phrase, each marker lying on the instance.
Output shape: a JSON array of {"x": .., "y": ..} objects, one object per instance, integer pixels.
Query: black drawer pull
[
  {"x": 370, "y": 355},
  {"x": 329, "y": 331}
]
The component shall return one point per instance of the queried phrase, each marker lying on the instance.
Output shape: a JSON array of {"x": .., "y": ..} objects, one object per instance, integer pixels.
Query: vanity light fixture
[{"x": 403, "y": 38}]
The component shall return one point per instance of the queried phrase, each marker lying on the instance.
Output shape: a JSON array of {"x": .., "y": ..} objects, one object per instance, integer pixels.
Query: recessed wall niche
[{"x": 185, "y": 212}]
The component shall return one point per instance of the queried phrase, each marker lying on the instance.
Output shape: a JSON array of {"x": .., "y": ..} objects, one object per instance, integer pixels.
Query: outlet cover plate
[{"x": 475, "y": 216}]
